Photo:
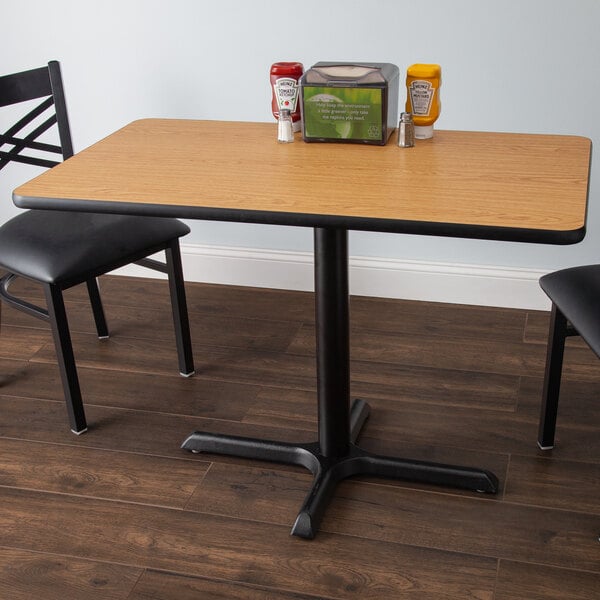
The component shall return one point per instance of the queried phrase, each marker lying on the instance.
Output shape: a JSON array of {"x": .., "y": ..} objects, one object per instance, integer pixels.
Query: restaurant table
[{"x": 493, "y": 186}]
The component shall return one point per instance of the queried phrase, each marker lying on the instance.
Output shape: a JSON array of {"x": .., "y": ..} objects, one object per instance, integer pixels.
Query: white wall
[{"x": 512, "y": 65}]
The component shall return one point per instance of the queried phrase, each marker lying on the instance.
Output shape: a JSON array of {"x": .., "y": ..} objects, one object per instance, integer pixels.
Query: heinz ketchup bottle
[{"x": 285, "y": 77}]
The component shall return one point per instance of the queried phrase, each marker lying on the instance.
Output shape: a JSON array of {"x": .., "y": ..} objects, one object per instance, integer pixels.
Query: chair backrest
[{"x": 46, "y": 83}]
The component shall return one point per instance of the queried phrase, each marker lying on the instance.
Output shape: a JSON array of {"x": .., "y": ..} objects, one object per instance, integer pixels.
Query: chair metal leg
[
  {"x": 66, "y": 359},
  {"x": 97, "y": 308},
  {"x": 554, "y": 360},
  {"x": 179, "y": 307}
]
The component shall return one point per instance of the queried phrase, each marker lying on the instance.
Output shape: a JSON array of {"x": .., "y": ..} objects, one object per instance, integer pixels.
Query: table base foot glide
[{"x": 328, "y": 471}]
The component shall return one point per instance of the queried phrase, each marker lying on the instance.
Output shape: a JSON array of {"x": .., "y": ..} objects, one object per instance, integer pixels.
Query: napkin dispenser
[{"x": 349, "y": 102}]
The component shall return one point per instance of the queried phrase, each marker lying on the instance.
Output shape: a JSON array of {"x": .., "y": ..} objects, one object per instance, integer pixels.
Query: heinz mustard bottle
[{"x": 423, "y": 97}]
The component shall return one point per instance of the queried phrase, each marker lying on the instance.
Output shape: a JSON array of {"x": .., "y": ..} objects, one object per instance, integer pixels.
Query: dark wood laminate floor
[{"x": 121, "y": 513}]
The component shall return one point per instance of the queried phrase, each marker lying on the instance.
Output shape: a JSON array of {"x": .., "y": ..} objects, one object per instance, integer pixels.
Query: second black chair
[
  {"x": 62, "y": 249},
  {"x": 575, "y": 295}
]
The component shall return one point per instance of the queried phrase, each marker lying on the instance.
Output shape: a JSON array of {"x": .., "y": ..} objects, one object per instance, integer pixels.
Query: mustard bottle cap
[{"x": 424, "y": 70}]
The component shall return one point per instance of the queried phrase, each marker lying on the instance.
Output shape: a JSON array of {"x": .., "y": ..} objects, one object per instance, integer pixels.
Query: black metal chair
[
  {"x": 575, "y": 295},
  {"x": 63, "y": 249}
]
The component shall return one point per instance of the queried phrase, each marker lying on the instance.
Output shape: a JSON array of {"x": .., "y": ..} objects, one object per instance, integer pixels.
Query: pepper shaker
[{"x": 406, "y": 131}]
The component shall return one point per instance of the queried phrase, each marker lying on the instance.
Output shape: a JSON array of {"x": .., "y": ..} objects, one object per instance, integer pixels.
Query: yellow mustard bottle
[{"x": 423, "y": 83}]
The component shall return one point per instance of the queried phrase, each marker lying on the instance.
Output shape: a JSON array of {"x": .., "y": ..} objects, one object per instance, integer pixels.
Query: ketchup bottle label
[{"x": 286, "y": 91}]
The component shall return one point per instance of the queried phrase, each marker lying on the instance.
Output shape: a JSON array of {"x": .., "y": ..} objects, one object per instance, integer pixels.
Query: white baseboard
[{"x": 381, "y": 277}]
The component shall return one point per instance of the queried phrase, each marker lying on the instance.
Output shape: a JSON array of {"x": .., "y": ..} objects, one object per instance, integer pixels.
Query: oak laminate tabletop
[{"x": 523, "y": 187}]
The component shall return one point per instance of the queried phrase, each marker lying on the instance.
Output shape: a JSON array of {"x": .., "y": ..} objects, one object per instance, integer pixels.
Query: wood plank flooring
[{"x": 121, "y": 513}]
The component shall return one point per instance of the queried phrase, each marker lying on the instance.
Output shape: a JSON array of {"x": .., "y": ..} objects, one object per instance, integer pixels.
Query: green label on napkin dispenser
[{"x": 343, "y": 113}]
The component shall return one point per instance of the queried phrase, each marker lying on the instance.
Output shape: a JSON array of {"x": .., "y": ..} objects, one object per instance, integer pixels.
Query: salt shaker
[
  {"x": 285, "y": 133},
  {"x": 406, "y": 131}
]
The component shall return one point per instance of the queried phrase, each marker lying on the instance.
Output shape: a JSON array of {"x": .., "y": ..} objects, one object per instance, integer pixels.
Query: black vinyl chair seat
[
  {"x": 576, "y": 292},
  {"x": 66, "y": 247},
  {"x": 575, "y": 295},
  {"x": 60, "y": 249}
]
